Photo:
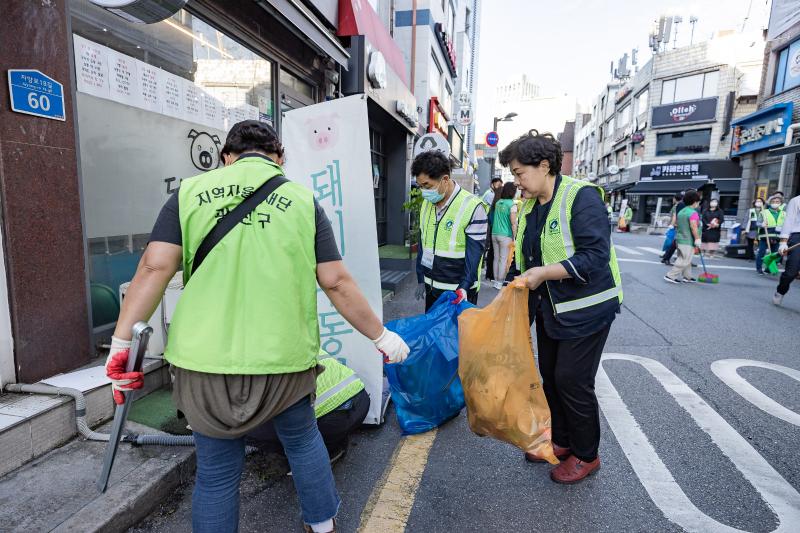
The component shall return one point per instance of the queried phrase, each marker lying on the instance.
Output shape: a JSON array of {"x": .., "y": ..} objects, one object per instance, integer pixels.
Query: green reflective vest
[
  {"x": 334, "y": 386},
  {"x": 570, "y": 300},
  {"x": 251, "y": 307},
  {"x": 445, "y": 241},
  {"x": 773, "y": 222}
]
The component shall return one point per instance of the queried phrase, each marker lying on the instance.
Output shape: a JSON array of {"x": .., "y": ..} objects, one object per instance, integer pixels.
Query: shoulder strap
[{"x": 233, "y": 217}]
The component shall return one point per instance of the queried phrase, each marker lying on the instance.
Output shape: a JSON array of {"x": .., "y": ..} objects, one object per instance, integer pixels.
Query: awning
[
  {"x": 728, "y": 187},
  {"x": 786, "y": 150},
  {"x": 305, "y": 25},
  {"x": 664, "y": 187},
  {"x": 621, "y": 186}
]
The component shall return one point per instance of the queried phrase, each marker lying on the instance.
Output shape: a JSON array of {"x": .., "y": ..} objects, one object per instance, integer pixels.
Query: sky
[{"x": 568, "y": 45}]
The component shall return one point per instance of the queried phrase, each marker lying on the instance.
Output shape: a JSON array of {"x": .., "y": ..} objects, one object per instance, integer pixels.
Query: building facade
[
  {"x": 144, "y": 106},
  {"x": 667, "y": 128},
  {"x": 758, "y": 138}
]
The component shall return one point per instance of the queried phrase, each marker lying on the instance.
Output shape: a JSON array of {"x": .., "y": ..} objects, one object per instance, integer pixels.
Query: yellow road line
[{"x": 391, "y": 502}]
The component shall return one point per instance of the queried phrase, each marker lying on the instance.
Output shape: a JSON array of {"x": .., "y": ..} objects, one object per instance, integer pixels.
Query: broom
[
  {"x": 770, "y": 260},
  {"x": 706, "y": 277}
]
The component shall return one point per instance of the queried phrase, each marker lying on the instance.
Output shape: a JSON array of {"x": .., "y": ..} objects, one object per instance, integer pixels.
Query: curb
[{"x": 133, "y": 498}]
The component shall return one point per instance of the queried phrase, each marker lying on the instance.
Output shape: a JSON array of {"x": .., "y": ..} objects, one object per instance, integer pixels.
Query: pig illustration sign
[
  {"x": 204, "y": 150},
  {"x": 340, "y": 174}
]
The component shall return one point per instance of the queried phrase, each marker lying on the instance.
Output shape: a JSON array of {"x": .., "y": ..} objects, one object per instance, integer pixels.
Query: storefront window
[
  {"x": 690, "y": 87},
  {"x": 788, "y": 67},
  {"x": 767, "y": 179},
  {"x": 683, "y": 142},
  {"x": 291, "y": 81},
  {"x": 153, "y": 105}
]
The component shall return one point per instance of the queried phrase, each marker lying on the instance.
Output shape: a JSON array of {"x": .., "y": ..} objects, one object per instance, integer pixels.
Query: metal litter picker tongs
[{"x": 141, "y": 335}]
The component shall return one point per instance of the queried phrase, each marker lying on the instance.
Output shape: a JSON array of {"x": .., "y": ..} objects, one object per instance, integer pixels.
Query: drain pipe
[
  {"x": 785, "y": 159},
  {"x": 83, "y": 426}
]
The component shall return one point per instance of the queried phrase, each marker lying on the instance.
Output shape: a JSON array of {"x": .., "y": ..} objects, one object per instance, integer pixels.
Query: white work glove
[
  {"x": 419, "y": 294},
  {"x": 783, "y": 248},
  {"x": 697, "y": 243},
  {"x": 393, "y": 348},
  {"x": 121, "y": 379}
]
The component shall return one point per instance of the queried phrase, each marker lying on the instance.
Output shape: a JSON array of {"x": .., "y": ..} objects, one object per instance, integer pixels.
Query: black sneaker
[
  {"x": 689, "y": 280},
  {"x": 670, "y": 280}
]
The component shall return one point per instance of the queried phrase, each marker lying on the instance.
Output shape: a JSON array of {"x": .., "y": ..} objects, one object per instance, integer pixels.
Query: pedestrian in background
[
  {"x": 504, "y": 229},
  {"x": 772, "y": 219},
  {"x": 687, "y": 237},
  {"x": 489, "y": 197},
  {"x": 677, "y": 206},
  {"x": 244, "y": 338},
  {"x": 790, "y": 235},
  {"x": 625, "y": 219},
  {"x": 712, "y": 219},
  {"x": 453, "y": 227},
  {"x": 564, "y": 249},
  {"x": 754, "y": 218},
  {"x": 494, "y": 189}
]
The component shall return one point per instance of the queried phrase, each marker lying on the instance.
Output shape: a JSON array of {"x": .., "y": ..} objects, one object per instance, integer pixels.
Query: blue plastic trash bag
[
  {"x": 425, "y": 388},
  {"x": 668, "y": 238}
]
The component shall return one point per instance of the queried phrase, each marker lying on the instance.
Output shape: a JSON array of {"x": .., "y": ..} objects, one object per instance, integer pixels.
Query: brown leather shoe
[
  {"x": 574, "y": 470},
  {"x": 559, "y": 451}
]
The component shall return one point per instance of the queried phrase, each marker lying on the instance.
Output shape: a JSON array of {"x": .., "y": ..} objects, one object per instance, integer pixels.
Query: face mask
[
  {"x": 432, "y": 195},
  {"x": 714, "y": 205},
  {"x": 775, "y": 205}
]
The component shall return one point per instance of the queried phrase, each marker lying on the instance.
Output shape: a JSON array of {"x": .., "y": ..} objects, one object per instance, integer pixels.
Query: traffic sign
[
  {"x": 492, "y": 138},
  {"x": 432, "y": 141},
  {"x": 35, "y": 93},
  {"x": 490, "y": 152},
  {"x": 465, "y": 116}
]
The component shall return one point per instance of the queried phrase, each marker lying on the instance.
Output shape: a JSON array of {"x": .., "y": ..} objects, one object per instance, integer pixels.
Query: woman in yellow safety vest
[{"x": 564, "y": 251}]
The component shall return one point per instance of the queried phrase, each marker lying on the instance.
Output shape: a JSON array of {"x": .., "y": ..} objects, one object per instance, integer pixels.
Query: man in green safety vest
[
  {"x": 244, "y": 337},
  {"x": 340, "y": 407},
  {"x": 453, "y": 227}
]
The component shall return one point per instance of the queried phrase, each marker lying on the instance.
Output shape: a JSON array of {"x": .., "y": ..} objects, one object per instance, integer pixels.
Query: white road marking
[
  {"x": 651, "y": 250},
  {"x": 656, "y": 478},
  {"x": 725, "y": 369},
  {"x": 627, "y": 250},
  {"x": 623, "y": 260}
]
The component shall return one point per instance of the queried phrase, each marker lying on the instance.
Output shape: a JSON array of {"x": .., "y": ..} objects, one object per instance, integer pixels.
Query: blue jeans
[
  {"x": 762, "y": 251},
  {"x": 215, "y": 501}
]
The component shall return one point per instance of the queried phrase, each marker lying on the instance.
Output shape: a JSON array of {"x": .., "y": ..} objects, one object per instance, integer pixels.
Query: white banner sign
[{"x": 327, "y": 147}]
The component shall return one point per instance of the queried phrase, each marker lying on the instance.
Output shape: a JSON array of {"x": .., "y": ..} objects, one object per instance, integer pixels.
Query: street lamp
[{"x": 508, "y": 118}]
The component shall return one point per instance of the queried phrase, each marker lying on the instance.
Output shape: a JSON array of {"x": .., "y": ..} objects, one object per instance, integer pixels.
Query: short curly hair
[
  {"x": 251, "y": 135},
  {"x": 434, "y": 163},
  {"x": 533, "y": 148}
]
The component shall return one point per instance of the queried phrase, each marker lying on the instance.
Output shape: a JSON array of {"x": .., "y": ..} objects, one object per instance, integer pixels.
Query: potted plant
[{"x": 413, "y": 206}]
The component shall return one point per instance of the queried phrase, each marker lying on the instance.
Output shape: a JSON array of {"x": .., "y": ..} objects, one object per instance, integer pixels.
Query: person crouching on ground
[{"x": 687, "y": 238}]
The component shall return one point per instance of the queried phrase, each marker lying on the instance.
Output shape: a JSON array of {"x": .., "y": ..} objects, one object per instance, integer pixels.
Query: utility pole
[{"x": 509, "y": 117}]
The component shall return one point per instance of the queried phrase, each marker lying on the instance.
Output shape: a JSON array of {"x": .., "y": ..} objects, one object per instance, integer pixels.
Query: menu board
[{"x": 106, "y": 73}]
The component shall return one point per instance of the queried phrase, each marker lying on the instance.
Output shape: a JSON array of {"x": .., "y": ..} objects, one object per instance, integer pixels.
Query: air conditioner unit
[
  {"x": 162, "y": 316},
  {"x": 142, "y": 11}
]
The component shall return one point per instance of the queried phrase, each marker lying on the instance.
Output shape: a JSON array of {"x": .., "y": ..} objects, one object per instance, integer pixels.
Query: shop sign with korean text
[
  {"x": 328, "y": 151},
  {"x": 682, "y": 113},
  {"x": 763, "y": 129}
]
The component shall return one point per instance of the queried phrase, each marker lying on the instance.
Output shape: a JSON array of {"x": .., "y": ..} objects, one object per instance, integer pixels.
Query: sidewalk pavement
[{"x": 57, "y": 492}]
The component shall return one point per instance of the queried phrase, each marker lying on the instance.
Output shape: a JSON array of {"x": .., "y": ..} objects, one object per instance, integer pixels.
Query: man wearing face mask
[
  {"x": 453, "y": 226},
  {"x": 772, "y": 222}
]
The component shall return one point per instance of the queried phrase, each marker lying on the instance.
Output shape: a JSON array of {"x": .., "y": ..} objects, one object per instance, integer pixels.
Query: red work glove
[
  {"x": 116, "y": 363},
  {"x": 461, "y": 295}
]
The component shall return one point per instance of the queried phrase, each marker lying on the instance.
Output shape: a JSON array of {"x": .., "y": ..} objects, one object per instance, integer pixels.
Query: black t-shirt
[{"x": 168, "y": 229}]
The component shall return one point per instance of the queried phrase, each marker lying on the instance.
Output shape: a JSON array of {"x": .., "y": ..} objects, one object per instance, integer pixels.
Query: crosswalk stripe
[
  {"x": 627, "y": 250},
  {"x": 623, "y": 260},
  {"x": 651, "y": 250}
]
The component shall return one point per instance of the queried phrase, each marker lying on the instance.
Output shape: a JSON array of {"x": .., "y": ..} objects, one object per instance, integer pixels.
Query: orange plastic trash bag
[{"x": 502, "y": 387}]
